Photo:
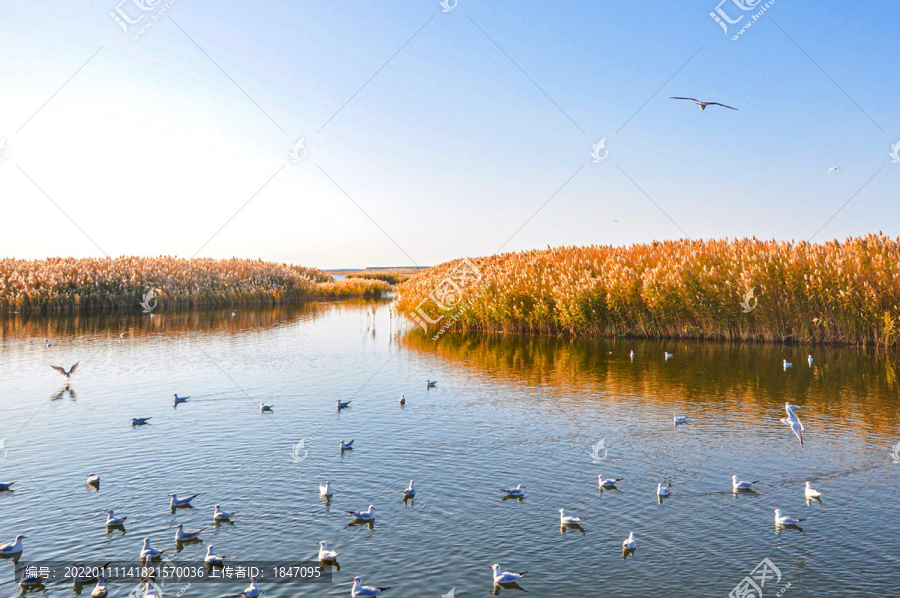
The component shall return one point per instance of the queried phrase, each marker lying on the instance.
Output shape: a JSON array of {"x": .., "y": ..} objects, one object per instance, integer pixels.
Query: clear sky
[{"x": 430, "y": 135}]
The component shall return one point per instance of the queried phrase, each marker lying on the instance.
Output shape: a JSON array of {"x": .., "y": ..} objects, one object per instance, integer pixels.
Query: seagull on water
[
  {"x": 112, "y": 520},
  {"x": 787, "y": 364},
  {"x": 233, "y": 313},
  {"x": 668, "y": 355},
  {"x": 184, "y": 536},
  {"x": 409, "y": 492},
  {"x": 175, "y": 502},
  {"x": 630, "y": 543},
  {"x": 212, "y": 558},
  {"x": 346, "y": 446},
  {"x": 431, "y": 383},
  {"x": 809, "y": 360},
  {"x": 63, "y": 372},
  {"x": 517, "y": 492},
  {"x": 663, "y": 490},
  {"x": 221, "y": 515},
  {"x": 679, "y": 419},
  {"x": 501, "y": 577},
  {"x": 140, "y": 421},
  {"x": 702, "y": 105},
  {"x": 368, "y": 515},
  {"x": 785, "y": 520},
  {"x": 402, "y": 400},
  {"x": 361, "y": 590},
  {"x": 30, "y": 581},
  {"x": 568, "y": 519},
  {"x": 343, "y": 405},
  {"x": 14, "y": 547},
  {"x": 263, "y": 407},
  {"x": 325, "y": 554},
  {"x": 5, "y": 485},
  {"x": 739, "y": 485},
  {"x": 180, "y": 399},
  {"x": 252, "y": 590},
  {"x": 93, "y": 479},
  {"x": 608, "y": 482},
  {"x": 86, "y": 574},
  {"x": 810, "y": 493},
  {"x": 99, "y": 590},
  {"x": 632, "y": 356},
  {"x": 325, "y": 490},
  {"x": 793, "y": 421},
  {"x": 148, "y": 553}
]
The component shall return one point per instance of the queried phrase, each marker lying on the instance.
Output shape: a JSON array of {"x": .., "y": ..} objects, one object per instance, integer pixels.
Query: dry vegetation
[
  {"x": 389, "y": 278},
  {"x": 68, "y": 284},
  {"x": 837, "y": 292}
]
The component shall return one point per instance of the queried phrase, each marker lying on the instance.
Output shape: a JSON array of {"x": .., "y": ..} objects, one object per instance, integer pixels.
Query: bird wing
[
  {"x": 680, "y": 98},
  {"x": 722, "y": 105},
  {"x": 59, "y": 369},
  {"x": 74, "y": 367}
]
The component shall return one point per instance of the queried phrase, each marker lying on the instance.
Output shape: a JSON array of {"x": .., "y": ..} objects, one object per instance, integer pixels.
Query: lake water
[{"x": 505, "y": 411}]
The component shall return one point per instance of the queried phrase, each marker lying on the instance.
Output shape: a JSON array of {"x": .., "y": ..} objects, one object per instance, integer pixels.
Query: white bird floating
[
  {"x": 175, "y": 502},
  {"x": 150, "y": 553},
  {"x": 99, "y": 590},
  {"x": 810, "y": 493},
  {"x": 112, "y": 520},
  {"x": 325, "y": 554},
  {"x": 346, "y": 446},
  {"x": 233, "y": 313},
  {"x": 679, "y": 419},
  {"x": 140, "y": 421},
  {"x": 663, "y": 490},
  {"x": 739, "y": 485},
  {"x": 252, "y": 590},
  {"x": 517, "y": 492},
  {"x": 809, "y": 360},
  {"x": 501, "y": 577},
  {"x": 220, "y": 515},
  {"x": 368, "y": 515},
  {"x": 180, "y": 399},
  {"x": 793, "y": 421},
  {"x": 668, "y": 355},
  {"x": 402, "y": 400},
  {"x": 361, "y": 590},
  {"x": 787, "y": 364},
  {"x": 5, "y": 485},
  {"x": 632, "y": 356},
  {"x": 63, "y": 372},
  {"x": 608, "y": 482},
  {"x": 702, "y": 105},
  {"x": 343, "y": 405},
  {"x": 183, "y": 536},
  {"x": 214, "y": 559},
  {"x": 93, "y": 479},
  {"x": 325, "y": 490},
  {"x": 14, "y": 547},
  {"x": 785, "y": 520},
  {"x": 431, "y": 383},
  {"x": 569, "y": 519},
  {"x": 410, "y": 491},
  {"x": 30, "y": 581},
  {"x": 263, "y": 407},
  {"x": 630, "y": 543}
]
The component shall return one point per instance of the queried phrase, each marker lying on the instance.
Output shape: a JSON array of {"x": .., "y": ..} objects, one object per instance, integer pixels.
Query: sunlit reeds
[
  {"x": 390, "y": 278},
  {"x": 836, "y": 292},
  {"x": 68, "y": 284}
]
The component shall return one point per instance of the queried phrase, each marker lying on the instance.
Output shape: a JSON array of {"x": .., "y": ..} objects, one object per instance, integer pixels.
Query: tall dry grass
[
  {"x": 836, "y": 292},
  {"x": 68, "y": 284}
]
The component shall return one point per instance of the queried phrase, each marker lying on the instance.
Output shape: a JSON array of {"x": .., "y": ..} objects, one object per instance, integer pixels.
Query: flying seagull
[
  {"x": 64, "y": 373},
  {"x": 833, "y": 168},
  {"x": 702, "y": 105}
]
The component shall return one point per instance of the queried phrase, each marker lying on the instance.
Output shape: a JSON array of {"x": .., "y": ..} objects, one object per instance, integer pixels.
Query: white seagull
[
  {"x": 220, "y": 515},
  {"x": 28, "y": 580},
  {"x": 343, "y": 405},
  {"x": 63, "y": 372},
  {"x": 787, "y": 364},
  {"x": 834, "y": 168},
  {"x": 361, "y": 590},
  {"x": 679, "y": 419},
  {"x": 175, "y": 502},
  {"x": 346, "y": 446},
  {"x": 608, "y": 482},
  {"x": 14, "y": 547},
  {"x": 409, "y": 492},
  {"x": 793, "y": 421},
  {"x": 150, "y": 553},
  {"x": 402, "y": 400},
  {"x": 630, "y": 543},
  {"x": 663, "y": 490},
  {"x": 180, "y": 399},
  {"x": 784, "y": 519},
  {"x": 252, "y": 590},
  {"x": 99, "y": 590},
  {"x": 810, "y": 493},
  {"x": 632, "y": 356},
  {"x": 431, "y": 383},
  {"x": 325, "y": 554},
  {"x": 518, "y": 491},
  {"x": 368, "y": 515},
  {"x": 668, "y": 355},
  {"x": 112, "y": 520},
  {"x": 5, "y": 485},
  {"x": 809, "y": 360},
  {"x": 738, "y": 485},
  {"x": 263, "y": 407},
  {"x": 702, "y": 105},
  {"x": 568, "y": 519},
  {"x": 502, "y": 577},
  {"x": 325, "y": 489},
  {"x": 140, "y": 421},
  {"x": 184, "y": 536},
  {"x": 213, "y": 559},
  {"x": 93, "y": 479}
]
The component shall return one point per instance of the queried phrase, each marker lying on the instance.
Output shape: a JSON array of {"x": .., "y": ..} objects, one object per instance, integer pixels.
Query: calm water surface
[{"x": 505, "y": 411}]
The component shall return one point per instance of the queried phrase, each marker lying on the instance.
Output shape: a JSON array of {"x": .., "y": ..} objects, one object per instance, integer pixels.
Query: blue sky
[{"x": 425, "y": 141}]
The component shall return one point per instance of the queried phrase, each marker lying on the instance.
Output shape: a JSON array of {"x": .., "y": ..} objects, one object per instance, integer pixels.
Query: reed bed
[
  {"x": 386, "y": 277},
  {"x": 68, "y": 284},
  {"x": 837, "y": 292}
]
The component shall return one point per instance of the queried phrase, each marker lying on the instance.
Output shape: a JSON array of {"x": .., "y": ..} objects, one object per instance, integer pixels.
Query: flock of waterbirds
[{"x": 501, "y": 578}]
